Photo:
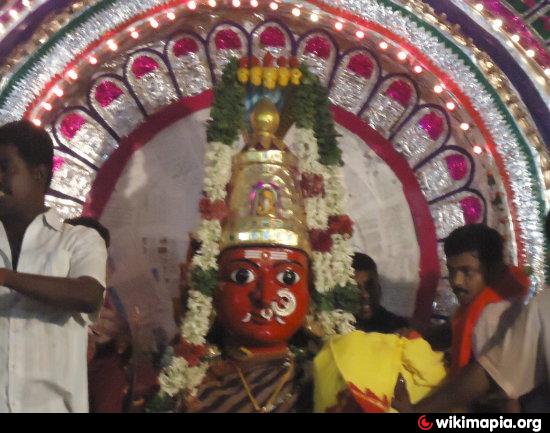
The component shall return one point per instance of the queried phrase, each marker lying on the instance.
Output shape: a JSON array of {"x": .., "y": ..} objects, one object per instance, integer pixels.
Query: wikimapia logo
[
  {"x": 491, "y": 424},
  {"x": 424, "y": 424}
]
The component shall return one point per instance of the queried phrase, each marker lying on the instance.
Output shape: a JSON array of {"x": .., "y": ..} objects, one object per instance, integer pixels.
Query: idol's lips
[{"x": 283, "y": 307}]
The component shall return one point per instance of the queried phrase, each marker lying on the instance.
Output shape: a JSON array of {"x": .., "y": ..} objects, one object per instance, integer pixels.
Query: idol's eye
[
  {"x": 242, "y": 276},
  {"x": 288, "y": 277}
]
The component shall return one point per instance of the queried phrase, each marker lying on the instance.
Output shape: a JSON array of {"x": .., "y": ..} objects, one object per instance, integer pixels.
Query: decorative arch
[{"x": 105, "y": 79}]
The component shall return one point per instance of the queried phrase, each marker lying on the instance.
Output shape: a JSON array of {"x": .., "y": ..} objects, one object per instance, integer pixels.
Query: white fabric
[
  {"x": 488, "y": 323},
  {"x": 519, "y": 360},
  {"x": 383, "y": 223},
  {"x": 43, "y": 364}
]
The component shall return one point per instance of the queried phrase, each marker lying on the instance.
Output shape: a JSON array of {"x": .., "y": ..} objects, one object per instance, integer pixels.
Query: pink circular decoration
[
  {"x": 227, "y": 40},
  {"x": 472, "y": 208},
  {"x": 70, "y": 125},
  {"x": 361, "y": 65},
  {"x": 457, "y": 165},
  {"x": 272, "y": 37},
  {"x": 432, "y": 124},
  {"x": 106, "y": 93},
  {"x": 400, "y": 91},
  {"x": 185, "y": 46},
  {"x": 57, "y": 163},
  {"x": 144, "y": 65},
  {"x": 319, "y": 46}
]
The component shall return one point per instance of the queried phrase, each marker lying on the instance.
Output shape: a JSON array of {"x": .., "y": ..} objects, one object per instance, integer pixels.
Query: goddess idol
[
  {"x": 252, "y": 275},
  {"x": 275, "y": 261}
]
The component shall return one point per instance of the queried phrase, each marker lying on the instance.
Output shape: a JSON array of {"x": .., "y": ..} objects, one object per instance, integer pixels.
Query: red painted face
[{"x": 263, "y": 297}]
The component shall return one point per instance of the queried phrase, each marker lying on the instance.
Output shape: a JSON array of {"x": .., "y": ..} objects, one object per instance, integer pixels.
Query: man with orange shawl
[
  {"x": 480, "y": 279},
  {"x": 484, "y": 285}
]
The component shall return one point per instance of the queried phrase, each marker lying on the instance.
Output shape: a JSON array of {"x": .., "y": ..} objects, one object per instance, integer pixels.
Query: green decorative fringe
[
  {"x": 205, "y": 282},
  {"x": 228, "y": 111},
  {"x": 310, "y": 109},
  {"x": 345, "y": 298}
]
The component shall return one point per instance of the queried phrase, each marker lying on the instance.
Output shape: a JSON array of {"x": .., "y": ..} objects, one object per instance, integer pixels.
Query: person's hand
[
  {"x": 401, "y": 400},
  {"x": 108, "y": 327},
  {"x": 3, "y": 276}
]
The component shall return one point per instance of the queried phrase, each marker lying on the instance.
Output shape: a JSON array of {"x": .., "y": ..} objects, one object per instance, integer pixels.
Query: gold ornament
[{"x": 265, "y": 203}]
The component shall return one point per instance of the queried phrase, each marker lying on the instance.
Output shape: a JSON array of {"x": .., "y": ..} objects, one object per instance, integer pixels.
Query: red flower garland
[
  {"x": 312, "y": 185},
  {"x": 341, "y": 225},
  {"x": 209, "y": 210},
  {"x": 192, "y": 353},
  {"x": 320, "y": 240}
]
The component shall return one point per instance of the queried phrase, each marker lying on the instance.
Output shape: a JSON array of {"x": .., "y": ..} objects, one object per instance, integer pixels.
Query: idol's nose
[{"x": 264, "y": 293}]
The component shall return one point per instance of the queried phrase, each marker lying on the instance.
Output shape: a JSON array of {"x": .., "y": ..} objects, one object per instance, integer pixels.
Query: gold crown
[{"x": 265, "y": 201}]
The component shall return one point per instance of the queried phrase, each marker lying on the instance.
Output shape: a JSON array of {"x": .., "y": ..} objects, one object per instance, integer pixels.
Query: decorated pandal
[{"x": 282, "y": 137}]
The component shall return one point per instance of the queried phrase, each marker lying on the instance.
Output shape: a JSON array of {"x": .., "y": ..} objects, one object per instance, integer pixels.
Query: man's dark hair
[
  {"x": 33, "y": 144},
  {"x": 362, "y": 262},
  {"x": 93, "y": 224},
  {"x": 481, "y": 239}
]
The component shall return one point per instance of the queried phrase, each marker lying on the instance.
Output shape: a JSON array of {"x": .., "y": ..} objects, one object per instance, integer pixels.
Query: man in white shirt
[
  {"x": 52, "y": 278},
  {"x": 516, "y": 360}
]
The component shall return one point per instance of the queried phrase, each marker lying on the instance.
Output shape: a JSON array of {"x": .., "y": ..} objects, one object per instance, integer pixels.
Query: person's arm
[
  {"x": 467, "y": 386},
  {"x": 470, "y": 384},
  {"x": 83, "y": 294},
  {"x": 509, "y": 362}
]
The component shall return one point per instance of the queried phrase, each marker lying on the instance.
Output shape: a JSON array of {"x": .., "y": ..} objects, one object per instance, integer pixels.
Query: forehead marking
[
  {"x": 252, "y": 254},
  {"x": 279, "y": 255}
]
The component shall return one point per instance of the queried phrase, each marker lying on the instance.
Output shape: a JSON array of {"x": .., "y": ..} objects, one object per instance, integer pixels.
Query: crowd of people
[{"x": 58, "y": 321}]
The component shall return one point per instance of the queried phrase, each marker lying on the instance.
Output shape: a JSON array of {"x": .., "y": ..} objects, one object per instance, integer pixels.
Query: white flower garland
[
  {"x": 334, "y": 268},
  {"x": 217, "y": 161},
  {"x": 342, "y": 259},
  {"x": 196, "y": 323},
  {"x": 307, "y": 151},
  {"x": 209, "y": 234},
  {"x": 316, "y": 213},
  {"x": 323, "y": 279},
  {"x": 180, "y": 377},
  {"x": 336, "y": 322},
  {"x": 335, "y": 192}
]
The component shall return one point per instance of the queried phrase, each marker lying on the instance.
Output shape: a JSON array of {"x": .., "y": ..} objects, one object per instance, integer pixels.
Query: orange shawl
[{"x": 513, "y": 284}]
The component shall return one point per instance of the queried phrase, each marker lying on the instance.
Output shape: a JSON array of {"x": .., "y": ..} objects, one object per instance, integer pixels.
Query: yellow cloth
[{"x": 370, "y": 363}]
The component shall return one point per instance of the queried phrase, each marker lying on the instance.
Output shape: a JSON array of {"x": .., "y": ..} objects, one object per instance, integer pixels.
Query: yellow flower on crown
[
  {"x": 243, "y": 73},
  {"x": 269, "y": 73},
  {"x": 284, "y": 71},
  {"x": 256, "y": 72}
]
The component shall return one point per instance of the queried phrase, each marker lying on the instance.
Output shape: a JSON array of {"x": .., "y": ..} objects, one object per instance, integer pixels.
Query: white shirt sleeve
[
  {"x": 514, "y": 361},
  {"x": 487, "y": 325},
  {"x": 89, "y": 259}
]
